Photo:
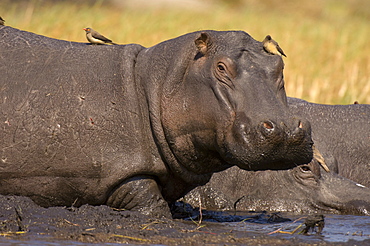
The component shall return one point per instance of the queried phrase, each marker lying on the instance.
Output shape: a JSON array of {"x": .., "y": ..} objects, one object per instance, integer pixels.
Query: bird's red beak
[{"x": 84, "y": 29}]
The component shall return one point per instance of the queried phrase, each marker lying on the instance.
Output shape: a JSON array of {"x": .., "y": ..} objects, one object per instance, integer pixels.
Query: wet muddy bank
[{"x": 23, "y": 222}]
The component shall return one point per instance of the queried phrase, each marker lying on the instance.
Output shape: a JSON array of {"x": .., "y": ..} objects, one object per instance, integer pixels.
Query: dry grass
[{"x": 326, "y": 40}]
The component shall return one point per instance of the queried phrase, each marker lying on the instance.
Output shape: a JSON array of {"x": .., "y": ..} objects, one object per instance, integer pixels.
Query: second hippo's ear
[{"x": 203, "y": 43}]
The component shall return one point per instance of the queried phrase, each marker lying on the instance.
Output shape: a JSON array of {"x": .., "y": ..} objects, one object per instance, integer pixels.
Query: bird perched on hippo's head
[{"x": 272, "y": 47}]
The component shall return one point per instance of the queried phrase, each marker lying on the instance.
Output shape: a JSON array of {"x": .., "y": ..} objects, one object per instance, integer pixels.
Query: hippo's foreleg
[{"x": 140, "y": 193}]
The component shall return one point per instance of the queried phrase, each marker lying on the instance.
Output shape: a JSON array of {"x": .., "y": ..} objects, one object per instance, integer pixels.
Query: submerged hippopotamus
[
  {"x": 303, "y": 189},
  {"x": 137, "y": 128},
  {"x": 342, "y": 134}
]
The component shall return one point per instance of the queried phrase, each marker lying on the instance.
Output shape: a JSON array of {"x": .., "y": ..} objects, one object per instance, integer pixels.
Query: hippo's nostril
[
  {"x": 268, "y": 125},
  {"x": 300, "y": 125}
]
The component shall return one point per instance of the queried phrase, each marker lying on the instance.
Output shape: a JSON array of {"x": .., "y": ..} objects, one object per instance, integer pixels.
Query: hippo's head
[{"x": 223, "y": 103}]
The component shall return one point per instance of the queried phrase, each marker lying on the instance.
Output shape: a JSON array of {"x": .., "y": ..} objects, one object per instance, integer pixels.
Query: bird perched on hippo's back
[
  {"x": 2, "y": 21},
  {"x": 96, "y": 38},
  {"x": 272, "y": 47}
]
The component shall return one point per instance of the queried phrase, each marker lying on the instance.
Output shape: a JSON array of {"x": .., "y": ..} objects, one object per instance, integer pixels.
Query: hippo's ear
[{"x": 203, "y": 43}]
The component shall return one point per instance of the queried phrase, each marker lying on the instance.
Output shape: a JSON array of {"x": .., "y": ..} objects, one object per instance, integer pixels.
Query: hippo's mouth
[
  {"x": 274, "y": 165},
  {"x": 279, "y": 157}
]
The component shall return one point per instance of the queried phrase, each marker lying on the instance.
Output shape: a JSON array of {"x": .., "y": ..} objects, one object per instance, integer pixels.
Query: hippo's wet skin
[
  {"x": 137, "y": 128},
  {"x": 342, "y": 134},
  {"x": 304, "y": 189},
  {"x": 340, "y": 131}
]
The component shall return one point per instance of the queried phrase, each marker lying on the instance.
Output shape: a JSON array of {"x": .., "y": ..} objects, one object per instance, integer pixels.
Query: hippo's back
[
  {"x": 342, "y": 132},
  {"x": 73, "y": 118}
]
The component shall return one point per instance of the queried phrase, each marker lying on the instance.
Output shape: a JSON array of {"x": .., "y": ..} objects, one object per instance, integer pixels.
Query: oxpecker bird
[
  {"x": 2, "y": 21},
  {"x": 271, "y": 46},
  {"x": 96, "y": 38}
]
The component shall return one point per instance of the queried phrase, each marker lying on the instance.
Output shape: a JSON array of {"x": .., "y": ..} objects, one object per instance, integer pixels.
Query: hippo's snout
[
  {"x": 300, "y": 133},
  {"x": 284, "y": 143},
  {"x": 268, "y": 126},
  {"x": 270, "y": 130}
]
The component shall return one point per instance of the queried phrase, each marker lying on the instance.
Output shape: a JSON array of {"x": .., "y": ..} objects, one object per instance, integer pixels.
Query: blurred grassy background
[{"x": 326, "y": 41}]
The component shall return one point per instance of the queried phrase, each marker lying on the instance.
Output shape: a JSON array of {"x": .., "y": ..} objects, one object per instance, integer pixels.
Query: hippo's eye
[
  {"x": 305, "y": 168},
  {"x": 221, "y": 67},
  {"x": 225, "y": 71}
]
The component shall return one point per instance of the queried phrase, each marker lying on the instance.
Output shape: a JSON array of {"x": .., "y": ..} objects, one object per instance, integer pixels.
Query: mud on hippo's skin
[
  {"x": 136, "y": 127},
  {"x": 304, "y": 189},
  {"x": 342, "y": 131},
  {"x": 342, "y": 134}
]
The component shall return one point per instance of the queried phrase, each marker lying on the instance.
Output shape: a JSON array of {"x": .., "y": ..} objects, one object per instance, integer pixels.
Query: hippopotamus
[
  {"x": 304, "y": 189},
  {"x": 342, "y": 135},
  {"x": 341, "y": 132},
  {"x": 137, "y": 128}
]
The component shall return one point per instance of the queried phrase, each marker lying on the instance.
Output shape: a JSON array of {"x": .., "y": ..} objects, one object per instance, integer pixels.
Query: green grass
[{"x": 326, "y": 41}]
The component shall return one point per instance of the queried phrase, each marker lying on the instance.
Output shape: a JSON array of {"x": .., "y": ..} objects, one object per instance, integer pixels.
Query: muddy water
[
  {"x": 347, "y": 229},
  {"x": 24, "y": 223},
  {"x": 338, "y": 228}
]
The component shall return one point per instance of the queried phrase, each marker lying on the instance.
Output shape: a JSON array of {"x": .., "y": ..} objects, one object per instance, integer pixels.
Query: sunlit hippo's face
[{"x": 232, "y": 106}]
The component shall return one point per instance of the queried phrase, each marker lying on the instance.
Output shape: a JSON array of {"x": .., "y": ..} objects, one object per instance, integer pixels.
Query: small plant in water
[
  {"x": 199, "y": 222},
  {"x": 312, "y": 222}
]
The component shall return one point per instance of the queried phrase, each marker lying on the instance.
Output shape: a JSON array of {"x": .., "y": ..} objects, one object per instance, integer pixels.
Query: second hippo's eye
[{"x": 305, "y": 168}]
